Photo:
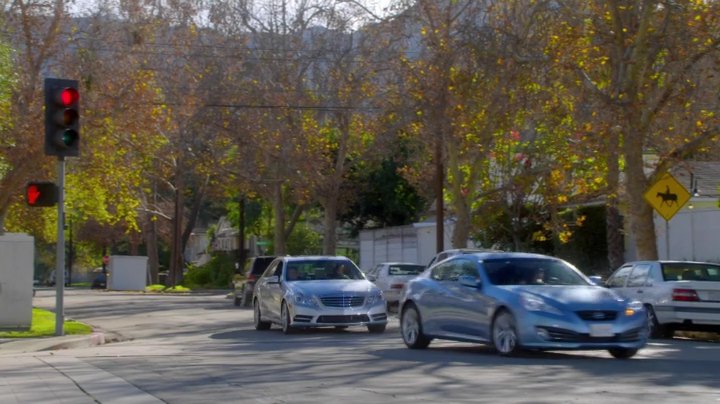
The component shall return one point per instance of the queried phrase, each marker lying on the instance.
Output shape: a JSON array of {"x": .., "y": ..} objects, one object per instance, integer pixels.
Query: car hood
[
  {"x": 324, "y": 287},
  {"x": 576, "y": 295}
]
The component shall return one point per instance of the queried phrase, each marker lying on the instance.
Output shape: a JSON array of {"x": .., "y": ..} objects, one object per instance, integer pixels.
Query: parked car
[
  {"x": 317, "y": 291},
  {"x": 678, "y": 295},
  {"x": 390, "y": 277},
  {"x": 516, "y": 301},
  {"x": 99, "y": 281},
  {"x": 243, "y": 288},
  {"x": 442, "y": 255}
]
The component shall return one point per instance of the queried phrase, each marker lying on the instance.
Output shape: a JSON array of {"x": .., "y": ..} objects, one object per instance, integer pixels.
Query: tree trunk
[
  {"x": 329, "y": 223},
  {"x": 151, "y": 242},
  {"x": 642, "y": 225},
  {"x": 613, "y": 221},
  {"x": 176, "y": 261},
  {"x": 279, "y": 245},
  {"x": 194, "y": 212}
]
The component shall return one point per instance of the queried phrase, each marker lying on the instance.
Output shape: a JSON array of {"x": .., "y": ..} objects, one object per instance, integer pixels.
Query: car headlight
[
  {"x": 633, "y": 308},
  {"x": 537, "y": 303},
  {"x": 374, "y": 298},
  {"x": 305, "y": 300}
]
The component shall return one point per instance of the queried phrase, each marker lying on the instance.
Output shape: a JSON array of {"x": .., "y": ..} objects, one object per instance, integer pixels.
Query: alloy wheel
[{"x": 505, "y": 337}]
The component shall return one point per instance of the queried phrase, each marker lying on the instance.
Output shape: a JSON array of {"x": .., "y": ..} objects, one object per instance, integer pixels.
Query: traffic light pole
[{"x": 60, "y": 255}]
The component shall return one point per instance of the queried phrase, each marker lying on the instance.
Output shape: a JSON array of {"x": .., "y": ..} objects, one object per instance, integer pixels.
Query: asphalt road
[{"x": 200, "y": 348}]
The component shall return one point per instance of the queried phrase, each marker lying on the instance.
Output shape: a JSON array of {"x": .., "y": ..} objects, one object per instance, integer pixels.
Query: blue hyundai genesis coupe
[{"x": 516, "y": 301}]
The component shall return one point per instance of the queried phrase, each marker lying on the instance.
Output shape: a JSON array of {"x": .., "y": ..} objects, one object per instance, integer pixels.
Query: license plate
[{"x": 601, "y": 330}]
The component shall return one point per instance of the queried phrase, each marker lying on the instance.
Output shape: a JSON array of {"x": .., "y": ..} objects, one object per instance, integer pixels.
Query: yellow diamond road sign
[{"x": 667, "y": 196}]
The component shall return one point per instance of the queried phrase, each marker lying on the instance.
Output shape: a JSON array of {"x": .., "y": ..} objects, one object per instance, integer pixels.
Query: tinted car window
[
  {"x": 258, "y": 265},
  {"x": 405, "y": 269},
  {"x": 638, "y": 275},
  {"x": 531, "y": 271},
  {"x": 270, "y": 271},
  {"x": 459, "y": 268},
  {"x": 690, "y": 271},
  {"x": 617, "y": 280},
  {"x": 326, "y": 269},
  {"x": 441, "y": 272}
]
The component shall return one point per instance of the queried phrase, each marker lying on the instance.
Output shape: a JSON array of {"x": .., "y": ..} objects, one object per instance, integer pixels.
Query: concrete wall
[
  {"x": 694, "y": 235},
  {"x": 413, "y": 243}
]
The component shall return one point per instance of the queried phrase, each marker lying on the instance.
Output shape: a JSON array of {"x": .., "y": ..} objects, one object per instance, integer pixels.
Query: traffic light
[
  {"x": 41, "y": 194},
  {"x": 62, "y": 118}
]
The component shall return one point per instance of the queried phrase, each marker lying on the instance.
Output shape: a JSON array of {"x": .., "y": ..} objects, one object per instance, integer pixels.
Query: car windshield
[
  {"x": 690, "y": 271},
  {"x": 530, "y": 271},
  {"x": 405, "y": 269},
  {"x": 310, "y": 270}
]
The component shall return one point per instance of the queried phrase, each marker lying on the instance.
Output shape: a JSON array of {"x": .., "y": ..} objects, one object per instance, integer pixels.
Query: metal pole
[
  {"x": 667, "y": 239},
  {"x": 692, "y": 232},
  {"x": 60, "y": 255}
]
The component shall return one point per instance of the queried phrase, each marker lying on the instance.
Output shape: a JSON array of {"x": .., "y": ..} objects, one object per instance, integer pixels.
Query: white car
[
  {"x": 391, "y": 277},
  {"x": 317, "y": 291},
  {"x": 678, "y": 295}
]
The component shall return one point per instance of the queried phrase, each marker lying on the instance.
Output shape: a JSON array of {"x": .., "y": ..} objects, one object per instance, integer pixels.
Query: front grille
[
  {"x": 342, "y": 301},
  {"x": 563, "y": 335},
  {"x": 355, "y": 318},
  {"x": 597, "y": 315}
]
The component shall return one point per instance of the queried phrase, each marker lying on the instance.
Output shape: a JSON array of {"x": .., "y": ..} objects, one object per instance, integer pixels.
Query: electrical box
[
  {"x": 127, "y": 272},
  {"x": 17, "y": 264}
]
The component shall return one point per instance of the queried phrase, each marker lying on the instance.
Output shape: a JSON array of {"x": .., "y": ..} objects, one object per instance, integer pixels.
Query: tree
[
  {"x": 33, "y": 30},
  {"x": 650, "y": 64}
]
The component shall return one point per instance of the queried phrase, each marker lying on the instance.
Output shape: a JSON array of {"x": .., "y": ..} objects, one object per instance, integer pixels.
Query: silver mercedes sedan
[{"x": 317, "y": 291}]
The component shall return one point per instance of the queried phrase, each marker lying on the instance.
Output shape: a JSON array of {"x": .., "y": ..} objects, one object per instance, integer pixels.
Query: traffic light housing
[
  {"x": 41, "y": 194},
  {"x": 62, "y": 118}
]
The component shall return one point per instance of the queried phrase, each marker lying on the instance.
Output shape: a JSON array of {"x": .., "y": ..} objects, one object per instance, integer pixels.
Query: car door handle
[{"x": 639, "y": 291}]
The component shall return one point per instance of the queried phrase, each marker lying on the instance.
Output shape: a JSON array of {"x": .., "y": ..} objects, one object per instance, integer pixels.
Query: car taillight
[
  {"x": 684, "y": 295},
  {"x": 251, "y": 277},
  {"x": 397, "y": 286}
]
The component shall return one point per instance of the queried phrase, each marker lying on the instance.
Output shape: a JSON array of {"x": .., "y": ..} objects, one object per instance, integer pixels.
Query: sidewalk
[{"x": 60, "y": 377}]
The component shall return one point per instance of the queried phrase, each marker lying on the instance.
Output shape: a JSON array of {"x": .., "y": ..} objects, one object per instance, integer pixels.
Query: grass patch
[
  {"x": 155, "y": 288},
  {"x": 177, "y": 289},
  {"x": 43, "y": 325}
]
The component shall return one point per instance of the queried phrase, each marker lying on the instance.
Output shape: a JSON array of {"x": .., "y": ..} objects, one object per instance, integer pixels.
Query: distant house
[
  {"x": 196, "y": 250},
  {"x": 226, "y": 236}
]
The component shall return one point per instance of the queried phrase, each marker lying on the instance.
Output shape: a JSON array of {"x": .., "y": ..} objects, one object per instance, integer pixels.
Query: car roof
[
  {"x": 499, "y": 255},
  {"x": 315, "y": 257},
  {"x": 670, "y": 262},
  {"x": 399, "y": 263}
]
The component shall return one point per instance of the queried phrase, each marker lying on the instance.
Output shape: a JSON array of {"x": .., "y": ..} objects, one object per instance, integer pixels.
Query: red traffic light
[
  {"x": 62, "y": 118},
  {"x": 68, "y": 96},
  {"x": 41, "y": 194}
]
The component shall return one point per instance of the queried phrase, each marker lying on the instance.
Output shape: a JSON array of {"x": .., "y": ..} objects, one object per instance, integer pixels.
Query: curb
[{"x": 28, "y": 345}]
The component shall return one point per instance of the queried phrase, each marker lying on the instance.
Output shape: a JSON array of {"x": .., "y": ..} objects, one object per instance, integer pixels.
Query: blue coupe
[{"x": 517, "y": 301}]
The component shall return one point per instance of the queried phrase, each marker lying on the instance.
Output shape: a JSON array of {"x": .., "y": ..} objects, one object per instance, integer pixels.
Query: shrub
[{"x": 217, "y": 273}]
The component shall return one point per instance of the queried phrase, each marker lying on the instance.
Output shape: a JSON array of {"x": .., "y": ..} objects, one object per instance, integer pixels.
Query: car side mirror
[
  {"x": 470, "y": 281},
  {"x": 372, "y": 278}
]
